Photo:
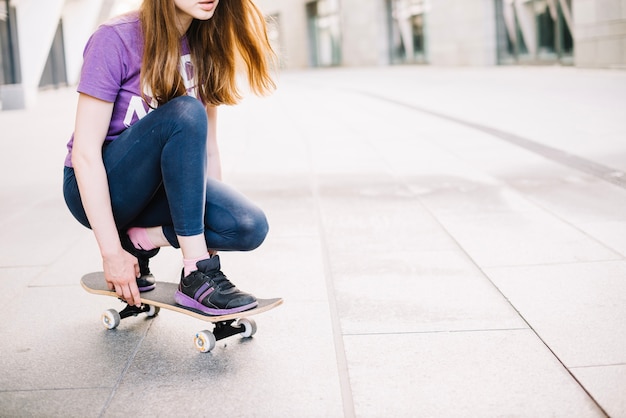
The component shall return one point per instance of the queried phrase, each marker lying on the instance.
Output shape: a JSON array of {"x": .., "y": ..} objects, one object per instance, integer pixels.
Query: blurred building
[
  {"x": 319, "y": 33},
  {"x": 41, "y": 44},
  {"x": 41, "y": 41}
]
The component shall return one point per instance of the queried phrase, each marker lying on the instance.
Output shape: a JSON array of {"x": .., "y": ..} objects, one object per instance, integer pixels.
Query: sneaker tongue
[{"x": 209, "y": 265}]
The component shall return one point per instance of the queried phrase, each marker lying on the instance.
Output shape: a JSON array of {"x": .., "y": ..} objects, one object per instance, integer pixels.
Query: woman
[{"x": 143, "y": 168}]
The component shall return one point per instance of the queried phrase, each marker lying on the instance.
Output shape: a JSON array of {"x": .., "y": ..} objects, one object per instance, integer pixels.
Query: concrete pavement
[{"x": 449, "y": 242}]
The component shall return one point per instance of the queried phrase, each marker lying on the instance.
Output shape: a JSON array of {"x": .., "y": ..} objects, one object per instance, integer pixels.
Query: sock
[
  {"x": 190, "y": 264},
  {"x": 139, "y": 238}
]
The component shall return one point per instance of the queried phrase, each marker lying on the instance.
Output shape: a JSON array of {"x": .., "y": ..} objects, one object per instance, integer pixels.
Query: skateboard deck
[{"x": 163, "y": 297}]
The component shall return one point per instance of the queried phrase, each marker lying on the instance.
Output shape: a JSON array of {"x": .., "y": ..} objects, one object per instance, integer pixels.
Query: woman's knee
[
  {"x": 189, "y": 112},
  {"x": 253, "y": 229},
  {"x": 187, "y": 105}
]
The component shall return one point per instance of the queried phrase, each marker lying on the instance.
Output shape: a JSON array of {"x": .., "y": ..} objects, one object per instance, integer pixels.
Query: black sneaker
[
  {"x": 208, "y": 290},
  {"x": 145, "y": 281}
]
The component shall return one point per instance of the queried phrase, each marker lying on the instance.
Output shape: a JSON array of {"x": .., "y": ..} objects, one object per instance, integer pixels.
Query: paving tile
[
  {"x": 79, "y": 403},
  {"x": 462, "y": 192},
  {"x": 287, "y": 267},
  {"x": 591, "y": 204},
  {"x": 287, "y": 369},
  {"x": 577, "y": 197},
  {"x": 29, "y": 234},
  {"x": 492, "y": 155},
  {"x": 83, "y": 256},
  {"x": 241, "y": 155},
  {"x": 61, "y": 344},
  {"x": 16, "y": 199},
  {"x": 75, "y": 259},
  {"x": 289, "y": 211},
  {"x": 393, "y": 221},
  {"x": 607, "y": 385},
  {"x": 460, "y": 374},
  {"x": 610, "y": 233},
  {"x": 523, "y": 238},
  {"x": 417, "y": 291},
  {"x": 14, "y": 282},
  {"x": 498, "y": 226},
  {"x": 578, "y": 309}
]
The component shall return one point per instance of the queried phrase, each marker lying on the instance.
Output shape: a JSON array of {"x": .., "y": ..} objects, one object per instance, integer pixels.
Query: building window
[
  {"x": 407, "y": 31},
  {"x": 534, "y": 31},
  {"x": 324, "y": 33},
  {"x": 9, "y": 53},
  {"x": 54, "y": 73}
]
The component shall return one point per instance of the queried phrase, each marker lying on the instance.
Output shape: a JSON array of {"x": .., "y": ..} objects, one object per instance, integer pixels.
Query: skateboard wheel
[
  {"x": 249, "y": 327},
  {"x": 204, "y": 341},
  {"x": 111, "y": 318},
  {"x": 153, "y": 310}
]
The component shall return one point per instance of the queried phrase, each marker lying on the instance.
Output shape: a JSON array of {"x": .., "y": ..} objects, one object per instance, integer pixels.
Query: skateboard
[{"x": 163, "y": 297}]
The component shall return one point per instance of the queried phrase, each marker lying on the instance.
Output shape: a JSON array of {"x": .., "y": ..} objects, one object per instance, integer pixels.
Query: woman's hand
[{"x": 120, "y": 272}]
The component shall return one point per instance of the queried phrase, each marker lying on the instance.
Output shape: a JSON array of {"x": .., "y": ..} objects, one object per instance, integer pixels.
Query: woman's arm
[
  {"x": 92, "y": 123},
  {"x": 214, "y": 163}
]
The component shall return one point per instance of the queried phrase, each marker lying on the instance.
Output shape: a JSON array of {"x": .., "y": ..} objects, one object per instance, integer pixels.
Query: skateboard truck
[
  {"x": 204, "y": 341},
  {"x": 112, "y": 318}
]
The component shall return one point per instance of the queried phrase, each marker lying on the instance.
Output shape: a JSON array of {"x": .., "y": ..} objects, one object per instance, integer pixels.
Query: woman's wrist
[{"x": 111, "y": 249}]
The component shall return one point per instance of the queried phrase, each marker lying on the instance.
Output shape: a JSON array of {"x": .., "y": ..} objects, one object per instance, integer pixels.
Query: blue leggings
[{"x": 156, "y": 171}]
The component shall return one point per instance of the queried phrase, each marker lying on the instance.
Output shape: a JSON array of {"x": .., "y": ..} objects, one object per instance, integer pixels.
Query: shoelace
[{"x": 220, "y": 280}]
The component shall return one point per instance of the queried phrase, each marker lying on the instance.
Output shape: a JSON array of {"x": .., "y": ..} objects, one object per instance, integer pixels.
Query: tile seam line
[
  {"x": 595, "y": 366},
  {"x": 341, "y": 361},
  {"x": 60, "y": 389},
  {"x": 117, "y": 384},
  {"x": 620, "y": 256},
  {"x": 454, "y": 331},
  {"x": 340, "y": 351},
  {"x": 552, "y": 263},
  {"x": 608, "y": 174},
  {"x": 338, "y": 339}
]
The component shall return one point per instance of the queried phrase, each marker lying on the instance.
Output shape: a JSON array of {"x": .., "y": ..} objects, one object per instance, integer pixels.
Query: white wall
[
  {"x": 600, "y": 33},
  {"x": 80, "y": 19},
  {"x": 37, "y": 23},
  {"x": 461, "y": 32},
  {"x": 294, "y": 49},
  {"x": 362, "y": 29}
]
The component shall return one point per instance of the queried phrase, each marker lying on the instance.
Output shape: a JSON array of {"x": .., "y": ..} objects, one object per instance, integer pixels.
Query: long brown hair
[{"x": 234, "y": 40}]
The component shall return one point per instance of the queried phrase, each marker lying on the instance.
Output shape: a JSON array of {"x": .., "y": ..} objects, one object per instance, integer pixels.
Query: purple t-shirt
[{"x": 111, "y": 69}]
